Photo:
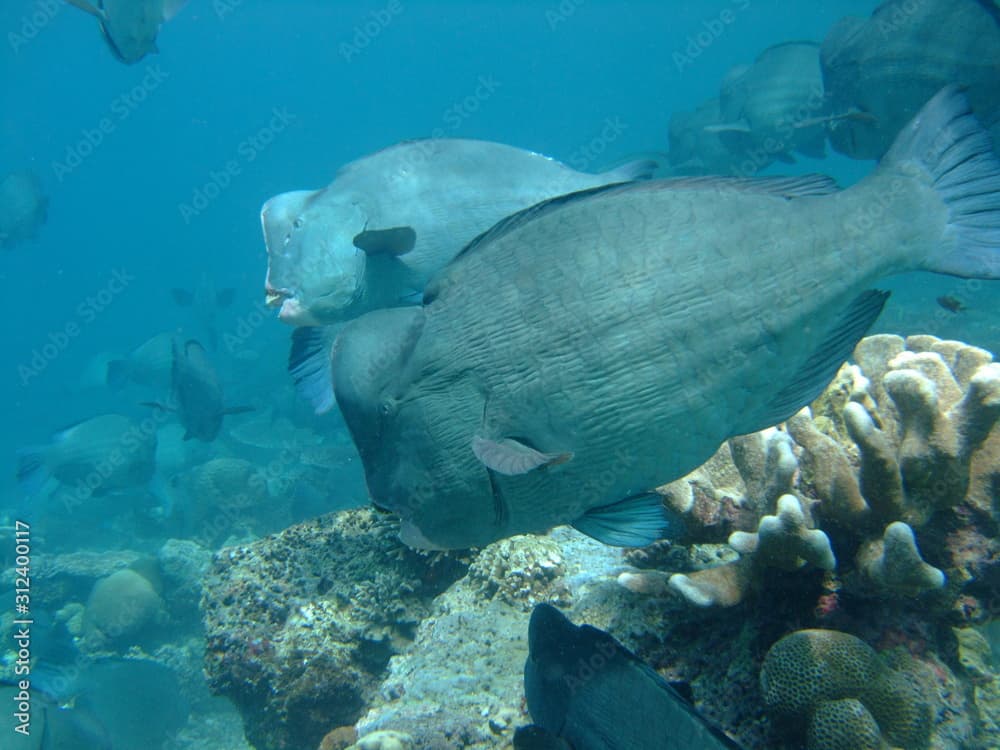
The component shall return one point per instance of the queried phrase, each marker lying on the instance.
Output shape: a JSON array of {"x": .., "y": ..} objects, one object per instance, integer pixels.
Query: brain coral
[
  {"x": 839, "y": 686},
  {"x": 120, "y": 607}
]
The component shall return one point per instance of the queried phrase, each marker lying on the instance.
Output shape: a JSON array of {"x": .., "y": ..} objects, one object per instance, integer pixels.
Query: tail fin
[
  {"x": 945, "y": 143},
  {"x": 31, "y": 471}
]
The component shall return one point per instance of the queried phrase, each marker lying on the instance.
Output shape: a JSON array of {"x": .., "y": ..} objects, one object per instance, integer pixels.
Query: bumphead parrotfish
[
  {"x": 586, "y": 691},
  {"x": 597, "y": 346},
  {"x": 887, "y": 66},
  {"x": 390, "y": 220}
]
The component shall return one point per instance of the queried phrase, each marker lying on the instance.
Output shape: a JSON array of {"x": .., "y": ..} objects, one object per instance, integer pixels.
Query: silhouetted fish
[{"x": 586, "y": 691}]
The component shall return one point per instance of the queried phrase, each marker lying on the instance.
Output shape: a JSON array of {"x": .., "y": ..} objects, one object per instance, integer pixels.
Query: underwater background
[{"x": 247, "y": 99}]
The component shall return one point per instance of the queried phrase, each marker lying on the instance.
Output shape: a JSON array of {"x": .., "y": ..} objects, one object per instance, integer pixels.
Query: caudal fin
[{"x": 948, "y": 147}]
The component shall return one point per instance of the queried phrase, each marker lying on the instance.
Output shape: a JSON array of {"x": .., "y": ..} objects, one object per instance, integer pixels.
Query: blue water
[{"x": 280, "y": 94}]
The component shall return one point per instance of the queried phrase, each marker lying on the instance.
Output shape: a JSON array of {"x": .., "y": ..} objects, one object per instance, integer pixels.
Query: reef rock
[{"x": 300, "y": 626}]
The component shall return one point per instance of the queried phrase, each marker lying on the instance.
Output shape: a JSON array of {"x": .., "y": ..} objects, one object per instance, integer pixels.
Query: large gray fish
[
  {"x": 197, "y": 393},
  {"x": 586, "y": 691},
  {"x": 392, "y": 219},
  {"x": 888, "y": 65},
  {"x": 130, "y": 27},
  {"x": 102, "y": 454},
  {"x": 777, "y": 105},
  {"x": 593, "y": 348},
  {"x": 23, "y": 207}
]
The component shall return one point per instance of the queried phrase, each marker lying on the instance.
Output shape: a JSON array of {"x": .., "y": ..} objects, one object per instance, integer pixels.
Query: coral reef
[
  {"x": 905, "y": 437},
  {"x": 120, "y": 607},
  {"x": 873, "y": 513},
  {"x": 301, "y": 625}
]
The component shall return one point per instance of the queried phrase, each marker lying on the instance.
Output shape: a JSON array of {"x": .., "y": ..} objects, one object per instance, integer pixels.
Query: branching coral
[{"x": 906, "y": 434}]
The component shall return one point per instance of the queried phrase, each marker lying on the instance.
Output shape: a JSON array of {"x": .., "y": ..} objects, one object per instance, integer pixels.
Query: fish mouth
[{"x": 276, "y": 297}]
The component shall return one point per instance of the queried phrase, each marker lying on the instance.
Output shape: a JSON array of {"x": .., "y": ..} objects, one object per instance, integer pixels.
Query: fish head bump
[{"x": 314, "y": 271}]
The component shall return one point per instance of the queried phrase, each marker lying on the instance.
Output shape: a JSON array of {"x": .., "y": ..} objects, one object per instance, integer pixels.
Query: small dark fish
[
  {"x": 586, "y": 691},
  {"x": 197, "y": 393},
  {"x": 951, "y": 304},
  {"x": 130, "y": 26}
]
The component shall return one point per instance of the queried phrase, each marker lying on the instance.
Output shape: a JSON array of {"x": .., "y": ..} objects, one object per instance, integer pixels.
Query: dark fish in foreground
[
  {"x": 23, "y": 207},
  {"x": 130, "y": 26},
  {"x": 593, "y": 348},
  {"x": 586, "y": 691},
  {"x": 197, "y": 393}
]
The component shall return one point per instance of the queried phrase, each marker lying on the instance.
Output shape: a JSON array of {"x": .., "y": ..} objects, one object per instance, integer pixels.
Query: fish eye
[
  {"x": 297, "y": 223},
  {"x": 387, "y": 408}
]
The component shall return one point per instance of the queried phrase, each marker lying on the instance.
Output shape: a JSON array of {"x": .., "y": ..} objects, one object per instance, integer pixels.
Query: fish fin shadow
[{"x": 820, "y": 367}]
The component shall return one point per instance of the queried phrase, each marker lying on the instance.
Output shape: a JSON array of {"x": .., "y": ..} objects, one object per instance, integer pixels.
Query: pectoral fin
[
  {"x": 636, "y": 521},
  {"x": 309, "y": 365},
  {"x": 395, "y": 241},
  {"x": 740, "y": 126},
  {"x": 512, "y": 457}
]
